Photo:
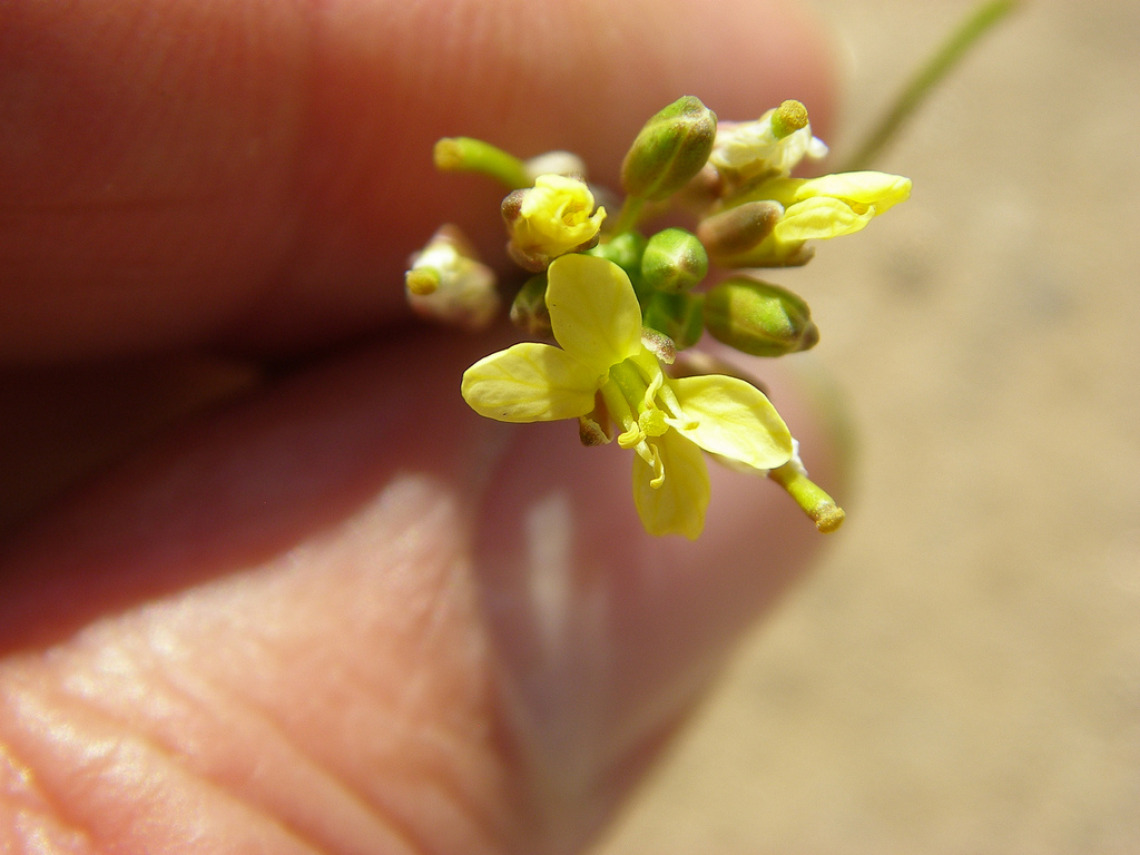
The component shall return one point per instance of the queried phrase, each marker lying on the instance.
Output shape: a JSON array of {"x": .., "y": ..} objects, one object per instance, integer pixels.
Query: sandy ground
[{"x": 962, "y": 674}]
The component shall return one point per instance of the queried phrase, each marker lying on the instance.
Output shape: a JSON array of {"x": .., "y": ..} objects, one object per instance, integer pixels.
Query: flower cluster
[{"x": 622, "y": 307}]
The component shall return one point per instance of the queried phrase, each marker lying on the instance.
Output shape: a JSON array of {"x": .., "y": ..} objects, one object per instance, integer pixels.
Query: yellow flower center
[
  {"x": 557, "y": 215},
  {"x": 640, "y": 400}
]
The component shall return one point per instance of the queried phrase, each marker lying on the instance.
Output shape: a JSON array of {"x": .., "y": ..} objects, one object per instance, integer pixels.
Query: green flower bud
[
  {"x": 529, "y": 311},
  {"x": 624, "y": 250},
  {"x": 678, "y": 316},
  {"x": 759, "y": 318},
  {"x": 669, "y": 150},
  {"x": 674, "y": 260},
  {"x": 739, "y": 229}
]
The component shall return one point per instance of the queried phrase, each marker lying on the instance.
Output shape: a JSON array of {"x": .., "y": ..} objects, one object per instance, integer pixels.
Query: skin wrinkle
[
  {"x": 197, "y": 701},
  {"x": 28, "y": 815},
  {"x": 112, "y": 702},
  {"x": 437, "y": 765},
  {"x": 113, "y": 786},
  {"x": 412, "y": 562},
  {"x": 231, "y": 651},
  {"x": 438, "y": 727},
  {"x": 435, "y": 731}
]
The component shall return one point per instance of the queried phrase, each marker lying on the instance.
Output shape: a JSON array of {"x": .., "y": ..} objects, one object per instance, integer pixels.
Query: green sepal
[{"x": 529, "y": 311}]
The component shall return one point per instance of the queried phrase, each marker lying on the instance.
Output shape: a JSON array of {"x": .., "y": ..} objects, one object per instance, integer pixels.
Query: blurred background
[{"x": 962, "y": 672}]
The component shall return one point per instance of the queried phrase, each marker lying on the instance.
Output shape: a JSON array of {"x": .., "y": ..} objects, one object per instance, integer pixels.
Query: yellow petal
[
  {"x": 530, "y": 382},
  {"x": 678, "y": 505},
  {"x": 735, "y": 420},
  {"x": 555, "y": 216},
  {"x": 877, "y": 189},
  {"x": 819, "y": 218},
  {"x": 593, "y": 311}
]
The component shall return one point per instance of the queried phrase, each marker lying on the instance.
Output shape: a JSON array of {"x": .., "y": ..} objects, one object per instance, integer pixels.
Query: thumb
[{"x": 349, "y": 616}]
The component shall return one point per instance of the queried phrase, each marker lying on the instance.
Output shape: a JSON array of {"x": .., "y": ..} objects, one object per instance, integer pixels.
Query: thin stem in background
[{"x": 984, "y": 18}]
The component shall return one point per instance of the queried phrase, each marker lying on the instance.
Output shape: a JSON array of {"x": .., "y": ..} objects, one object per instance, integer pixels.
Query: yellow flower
[
  {"x": 817, "y": 209},
  {"x": 771, "y": 146},
  {"x": 603, "y": 367},
  {"x": 552, "y": 218}
]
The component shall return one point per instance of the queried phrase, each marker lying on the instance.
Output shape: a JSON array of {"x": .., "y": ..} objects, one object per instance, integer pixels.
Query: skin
[{"x": 266, "y": 584}]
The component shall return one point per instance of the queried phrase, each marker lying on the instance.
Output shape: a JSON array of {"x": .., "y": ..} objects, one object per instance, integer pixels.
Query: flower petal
[
  {"x": 819, "y": 218},
  {"x": 878, "y": 189},
  {"x": 678, "y": 505},
  {"x": 735, "y": 420},
  {"x": 593, "y": 311},
  {"x": 530, "y": 382},
  {"x": 555, "y": 216}
]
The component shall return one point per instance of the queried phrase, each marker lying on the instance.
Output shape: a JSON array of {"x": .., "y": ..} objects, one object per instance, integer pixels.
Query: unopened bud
[
  {"x": 678, "y": 316},
  {"x": 669, "y": 150},
  {"x": 529, "y": 311},
  {"x": 739, "y": 229},
  {"x": 674, "y": 260},
  {"x": 759, "y": 318}
]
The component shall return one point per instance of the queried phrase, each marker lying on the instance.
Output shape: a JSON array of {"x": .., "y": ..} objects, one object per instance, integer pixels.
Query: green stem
[
  {"x": 627, "y": 218},
  {"x": 928, "y": 76}
]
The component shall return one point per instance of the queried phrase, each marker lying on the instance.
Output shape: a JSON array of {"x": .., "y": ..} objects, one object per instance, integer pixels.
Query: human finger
[{"x": 253, "y": 176}]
